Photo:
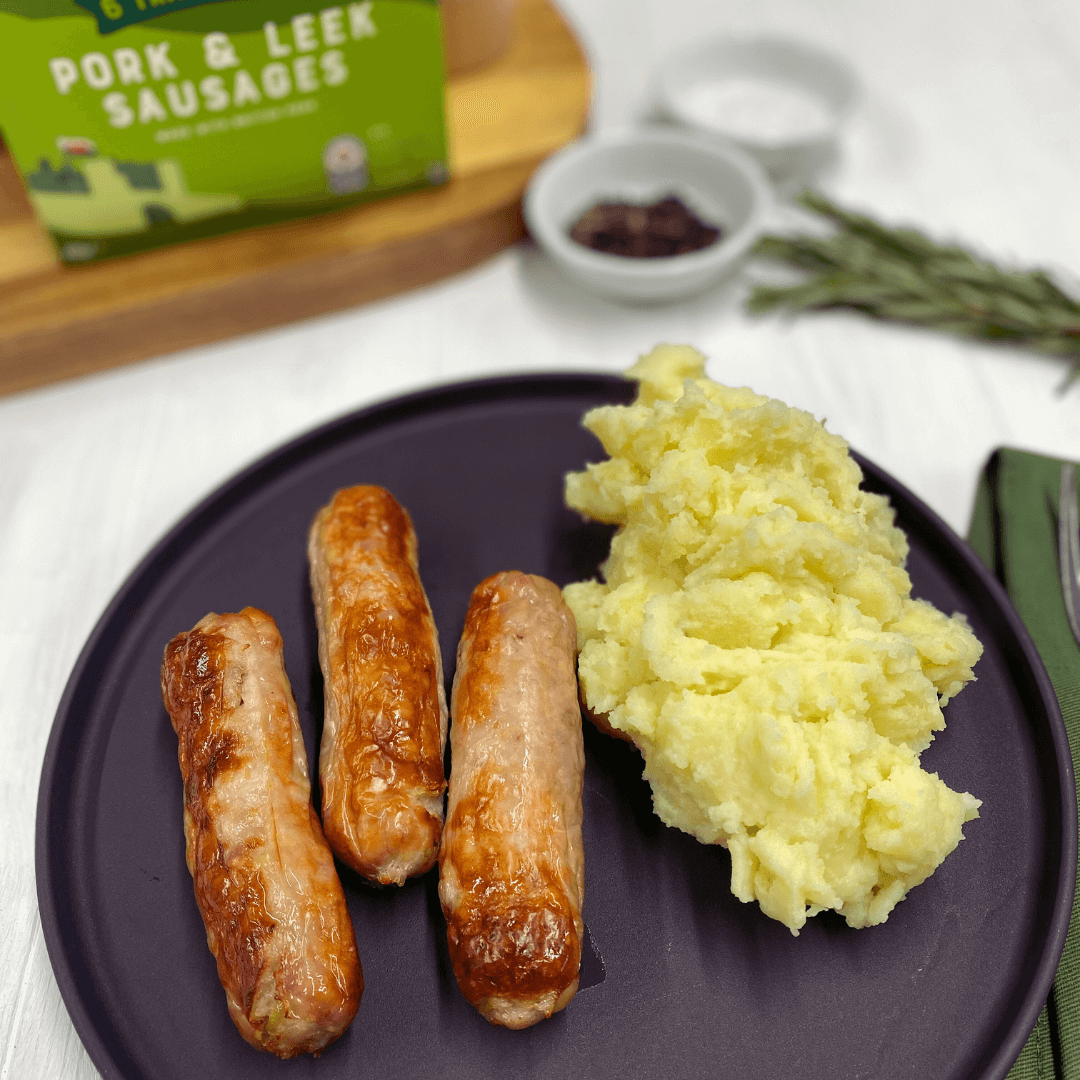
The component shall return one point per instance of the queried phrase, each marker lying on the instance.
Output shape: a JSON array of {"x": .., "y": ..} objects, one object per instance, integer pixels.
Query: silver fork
[{"x": 1069, "y": 547}]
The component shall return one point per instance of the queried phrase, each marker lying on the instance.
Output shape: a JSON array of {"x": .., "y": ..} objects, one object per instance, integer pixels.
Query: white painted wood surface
[{"x": 970, "y": 126}]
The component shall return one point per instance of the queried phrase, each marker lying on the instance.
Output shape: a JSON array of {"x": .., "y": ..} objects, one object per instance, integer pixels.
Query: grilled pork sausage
[
  {"x": 511, "y": 867},
  {"x": 381, "y": 762},
  {"x": 264, "y": 876}
]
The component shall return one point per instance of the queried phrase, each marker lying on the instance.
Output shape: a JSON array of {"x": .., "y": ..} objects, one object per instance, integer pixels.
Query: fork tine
[{"x": 1069, "y": 547}]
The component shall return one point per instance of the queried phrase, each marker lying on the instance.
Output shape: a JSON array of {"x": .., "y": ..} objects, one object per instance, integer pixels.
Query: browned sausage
[
  {"x": 600, "y": 721},
  {"x": 265, "y": 881},
  {"x": 381, "y": 761},
  {"x": 511, "y": 868}
]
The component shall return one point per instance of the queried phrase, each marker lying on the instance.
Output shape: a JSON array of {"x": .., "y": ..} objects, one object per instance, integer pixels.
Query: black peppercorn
[{"x": 661, "y": 230}]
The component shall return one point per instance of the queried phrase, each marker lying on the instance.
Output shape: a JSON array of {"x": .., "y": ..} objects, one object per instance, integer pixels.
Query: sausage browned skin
[
  {"x": 264, "y": 876},
  {"x": 511, "y": 868},
  {"x": 381, "y": 762}
]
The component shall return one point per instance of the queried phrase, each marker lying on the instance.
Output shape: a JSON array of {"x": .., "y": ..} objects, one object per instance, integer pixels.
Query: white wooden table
[{"x": 970, "y": 126}]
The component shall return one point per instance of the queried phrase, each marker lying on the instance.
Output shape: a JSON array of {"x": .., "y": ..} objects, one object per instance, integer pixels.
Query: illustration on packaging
[{"x": 101, "y": 196}]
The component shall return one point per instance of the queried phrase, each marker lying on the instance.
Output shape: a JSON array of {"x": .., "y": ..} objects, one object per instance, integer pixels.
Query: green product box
[{"x": 137, "y": 123}]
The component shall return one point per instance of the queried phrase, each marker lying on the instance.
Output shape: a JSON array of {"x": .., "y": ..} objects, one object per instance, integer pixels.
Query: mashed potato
[{"x": 755, "y": 637}]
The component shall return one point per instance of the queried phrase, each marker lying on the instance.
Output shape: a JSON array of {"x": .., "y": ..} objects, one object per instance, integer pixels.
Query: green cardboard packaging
[{"x": 137, "y": 123}]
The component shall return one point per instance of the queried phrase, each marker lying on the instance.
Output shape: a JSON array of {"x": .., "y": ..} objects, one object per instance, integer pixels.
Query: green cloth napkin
[{"x": 1014, "y": 531}]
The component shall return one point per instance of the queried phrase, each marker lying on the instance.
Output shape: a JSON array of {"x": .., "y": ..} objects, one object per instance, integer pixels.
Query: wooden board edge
[{"x": 284, "y": 295}]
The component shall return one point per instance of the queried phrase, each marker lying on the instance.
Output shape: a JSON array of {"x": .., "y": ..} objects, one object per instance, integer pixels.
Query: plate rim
[{"x": 542, "y": 385}]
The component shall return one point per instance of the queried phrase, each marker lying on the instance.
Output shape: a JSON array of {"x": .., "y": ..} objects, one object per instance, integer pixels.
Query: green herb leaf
[{"x": 901, "y": 275}]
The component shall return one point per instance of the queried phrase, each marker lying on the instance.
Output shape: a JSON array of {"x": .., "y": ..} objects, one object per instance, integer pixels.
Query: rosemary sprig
[{"x": 901, "y": 275}]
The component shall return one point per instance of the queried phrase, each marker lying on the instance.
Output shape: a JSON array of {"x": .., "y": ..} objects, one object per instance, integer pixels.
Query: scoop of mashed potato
[{"x": 756, "y": 638}]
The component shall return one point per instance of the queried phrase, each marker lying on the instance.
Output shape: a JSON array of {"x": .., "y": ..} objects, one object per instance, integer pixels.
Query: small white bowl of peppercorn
[{"x": 647, "y": 215}]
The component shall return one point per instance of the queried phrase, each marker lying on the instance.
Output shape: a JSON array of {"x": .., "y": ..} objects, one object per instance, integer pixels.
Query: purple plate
[{"x": 680, "y": 979}]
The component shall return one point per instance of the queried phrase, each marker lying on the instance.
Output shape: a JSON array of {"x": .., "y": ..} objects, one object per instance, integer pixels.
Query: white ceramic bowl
[
  {"x": 781, "y": 100},
  {"x": 721, "y": 185}
]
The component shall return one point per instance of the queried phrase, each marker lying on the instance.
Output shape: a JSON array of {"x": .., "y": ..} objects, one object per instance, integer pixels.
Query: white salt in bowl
[
  {"x": 721, "y": 185},
  {"x": 778, "y": 99}
]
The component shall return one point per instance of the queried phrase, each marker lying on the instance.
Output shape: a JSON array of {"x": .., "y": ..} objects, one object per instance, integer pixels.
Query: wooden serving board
[{"x": 57, "y": 322}]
